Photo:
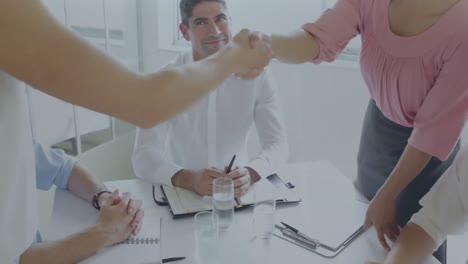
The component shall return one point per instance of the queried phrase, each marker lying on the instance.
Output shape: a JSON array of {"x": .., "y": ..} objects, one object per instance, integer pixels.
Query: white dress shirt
[
  {"x": 445, "y": 206},
  {"x": 18, "y": 213},
  {"x": 215, "y": 128}
]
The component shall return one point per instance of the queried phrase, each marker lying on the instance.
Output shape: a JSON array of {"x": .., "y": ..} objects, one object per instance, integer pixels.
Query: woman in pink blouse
[{"x": 414, "y": 61}]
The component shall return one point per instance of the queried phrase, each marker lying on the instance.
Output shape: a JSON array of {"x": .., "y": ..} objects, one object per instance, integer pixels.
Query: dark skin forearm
[
  {"x": 411, "y": 163},
  {"x": 295, "y": 48}
]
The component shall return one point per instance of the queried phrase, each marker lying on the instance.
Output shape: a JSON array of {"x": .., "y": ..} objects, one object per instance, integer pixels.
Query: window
[
  {"x": 110, "y": 25},
  {"x": 262, "y": 15}
]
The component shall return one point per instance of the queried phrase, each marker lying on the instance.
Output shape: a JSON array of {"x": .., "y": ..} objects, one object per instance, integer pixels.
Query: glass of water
[
  {"x": 264, "y": 212},
  {"x": 223, "y": 200},
  {"x": 206, "y": 237}
]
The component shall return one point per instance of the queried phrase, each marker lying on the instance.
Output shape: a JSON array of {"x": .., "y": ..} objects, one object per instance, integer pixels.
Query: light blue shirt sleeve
[{"x": 53, "y": 166}]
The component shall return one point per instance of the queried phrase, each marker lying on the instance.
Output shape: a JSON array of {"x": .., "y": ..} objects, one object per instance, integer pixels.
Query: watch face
[{"x": 95, "y": 200}]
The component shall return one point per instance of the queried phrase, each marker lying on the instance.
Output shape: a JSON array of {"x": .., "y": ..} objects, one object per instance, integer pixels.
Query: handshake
[{"x": 249, "y": 53}]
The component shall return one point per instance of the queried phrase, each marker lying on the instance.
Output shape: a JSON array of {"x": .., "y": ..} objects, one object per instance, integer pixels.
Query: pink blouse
[{"x": 419, "y": 81}]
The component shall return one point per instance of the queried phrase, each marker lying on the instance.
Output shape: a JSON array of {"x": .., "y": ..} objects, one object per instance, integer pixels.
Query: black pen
[
  {"x": 167, "y": 260},
  {"x": 315, "y": 241},
  {"x": 228, "y": 170},
  {"x": 294, "y": 236},
  {"x": 299, "y": 233}
]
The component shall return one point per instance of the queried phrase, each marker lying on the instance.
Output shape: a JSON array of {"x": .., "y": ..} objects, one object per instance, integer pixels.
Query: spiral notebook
[{"x": 144, "y": 248}]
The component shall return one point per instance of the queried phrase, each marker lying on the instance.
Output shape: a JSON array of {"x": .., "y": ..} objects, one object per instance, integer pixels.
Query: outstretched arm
[{"x": 35, "y": 48}]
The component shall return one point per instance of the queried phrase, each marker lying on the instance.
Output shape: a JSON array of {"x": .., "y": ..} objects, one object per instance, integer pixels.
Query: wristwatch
[{"x": 95, "y": 200}]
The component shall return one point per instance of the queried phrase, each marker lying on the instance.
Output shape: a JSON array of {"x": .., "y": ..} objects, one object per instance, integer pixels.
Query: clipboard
[
  {"x": 319, "y": 248},
  {"x": 333, "y": 224},
  {"x": 191, "y": 203}
]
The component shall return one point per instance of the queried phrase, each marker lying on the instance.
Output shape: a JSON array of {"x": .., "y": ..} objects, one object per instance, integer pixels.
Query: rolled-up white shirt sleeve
[
  {"x": 149, "y": 158},
  {"x": 53, "y": 167},
  {"x": 445, "y": 206},
  {"x": 269, "y": 123}
]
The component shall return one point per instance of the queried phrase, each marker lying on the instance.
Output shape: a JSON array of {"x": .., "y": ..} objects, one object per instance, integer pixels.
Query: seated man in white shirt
[
  {"x": 192, "y": 149},
  {"x": 444, "y": 212}
]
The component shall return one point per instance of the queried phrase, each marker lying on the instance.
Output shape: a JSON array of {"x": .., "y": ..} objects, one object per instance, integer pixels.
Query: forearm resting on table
[
  {"x": 413, "y": 245},
  {"x": 295, "y": 48},
  {"x": 184, "y": 179},
  {"x": 69, "y": 250},
  {"x": 411, "y": 163},
  {"x": 84, "y": 184}
]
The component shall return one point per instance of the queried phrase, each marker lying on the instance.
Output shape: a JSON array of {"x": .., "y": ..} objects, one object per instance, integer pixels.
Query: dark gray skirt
[{"x": 382, "y": 144}]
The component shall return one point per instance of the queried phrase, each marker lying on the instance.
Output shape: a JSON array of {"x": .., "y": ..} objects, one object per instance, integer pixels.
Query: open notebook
[
  {"x": 144, "y": 248},
  {"x": 186, "y": 203}
]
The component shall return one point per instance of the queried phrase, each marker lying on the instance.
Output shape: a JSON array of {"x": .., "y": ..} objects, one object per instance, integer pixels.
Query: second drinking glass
[{"x": 223, "y": 201}]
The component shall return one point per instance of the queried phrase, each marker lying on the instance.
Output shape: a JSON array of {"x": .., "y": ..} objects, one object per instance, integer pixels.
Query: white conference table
[{"x": 71, "y": 214}]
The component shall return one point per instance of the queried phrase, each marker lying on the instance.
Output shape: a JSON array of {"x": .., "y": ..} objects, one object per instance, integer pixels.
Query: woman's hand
[{"x": 382, "y": 215}]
